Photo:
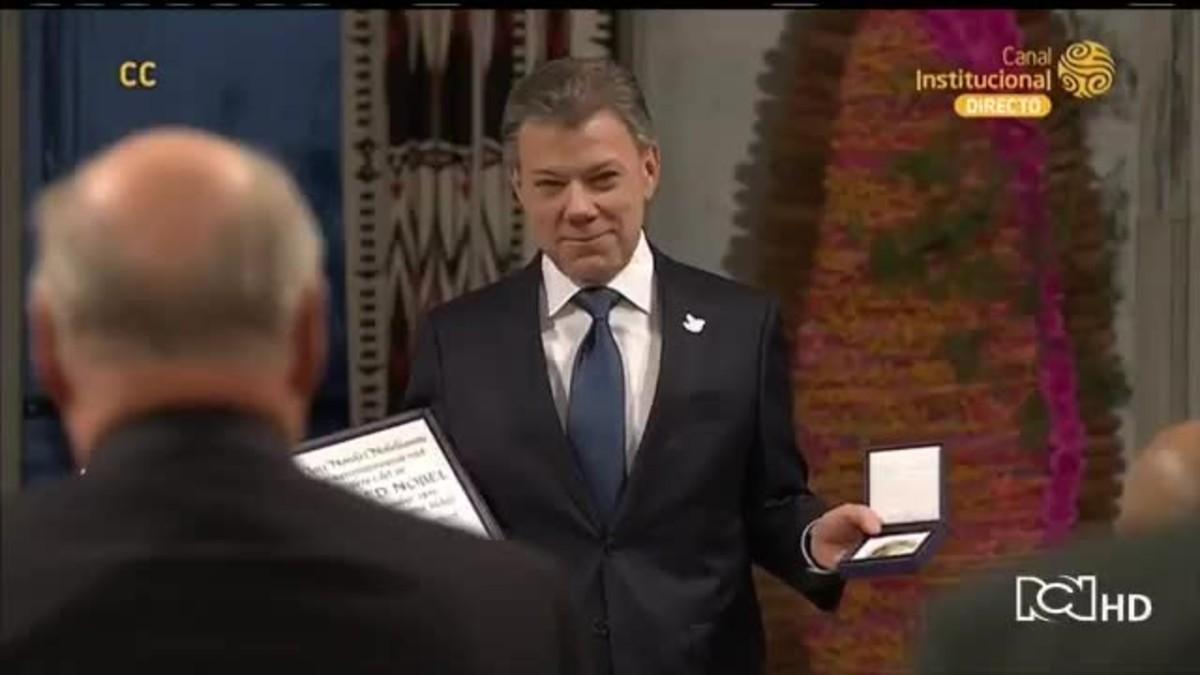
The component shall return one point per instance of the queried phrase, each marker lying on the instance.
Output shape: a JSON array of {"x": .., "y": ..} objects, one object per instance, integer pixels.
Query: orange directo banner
[{"x": 1002, "y": 105}]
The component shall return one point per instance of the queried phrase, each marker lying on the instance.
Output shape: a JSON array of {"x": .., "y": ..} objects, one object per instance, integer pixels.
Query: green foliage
[
  {"x": 1102, "y": 383},
  {"x": 982, "y": 278},
  {"x": 1034, "y": 421},
  {"x": 856, "y": 228},
  {"x": 924, "y": 167},
  {"x": 1031, "y": 299},
  {"x": 963, "y": 349}
]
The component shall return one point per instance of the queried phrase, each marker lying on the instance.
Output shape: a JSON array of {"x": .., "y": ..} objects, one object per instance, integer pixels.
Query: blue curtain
[{"x": 270, "y": 78}]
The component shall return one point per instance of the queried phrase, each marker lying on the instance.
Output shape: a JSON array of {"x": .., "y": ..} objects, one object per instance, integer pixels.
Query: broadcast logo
[
  {"x": 1086, "y": 69},
  {"x": 1076, "y": 599},
  {"x": 1021, "y": 82}
]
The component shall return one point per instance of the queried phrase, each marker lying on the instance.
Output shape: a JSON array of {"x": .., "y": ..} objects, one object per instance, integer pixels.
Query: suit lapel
[
  {"x": 681, "y": 355},
  {"x": 531, "y": 367}
]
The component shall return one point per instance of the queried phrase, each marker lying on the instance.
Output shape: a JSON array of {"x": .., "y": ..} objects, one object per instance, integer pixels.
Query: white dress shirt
[{"x": 635, "y": 326}]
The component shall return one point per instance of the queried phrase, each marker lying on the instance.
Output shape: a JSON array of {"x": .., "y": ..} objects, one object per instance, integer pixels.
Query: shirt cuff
[{"x": 805, "y": 544}]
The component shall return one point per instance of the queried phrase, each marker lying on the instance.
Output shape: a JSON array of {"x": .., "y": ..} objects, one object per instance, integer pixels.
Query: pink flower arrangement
[{"x": 974, "y": 40}]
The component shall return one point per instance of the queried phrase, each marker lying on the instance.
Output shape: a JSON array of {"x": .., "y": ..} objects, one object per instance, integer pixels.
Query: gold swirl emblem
[{"x": 1086, "y": 69}]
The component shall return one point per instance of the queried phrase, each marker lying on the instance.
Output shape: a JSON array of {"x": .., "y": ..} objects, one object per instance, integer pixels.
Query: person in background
[
  {"x": 178, "y": 319},
  {"x": 1163, "y": 482}
]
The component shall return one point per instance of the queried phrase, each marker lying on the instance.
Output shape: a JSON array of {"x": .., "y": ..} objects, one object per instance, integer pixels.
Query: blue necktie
[{"x": 596, "y": 409}]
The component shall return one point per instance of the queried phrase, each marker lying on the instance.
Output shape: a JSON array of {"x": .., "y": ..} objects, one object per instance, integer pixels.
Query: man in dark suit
[
  {"x": 628, "y": 414},
  {"x": 977, "y": 630},
  {"x": 178, "y": 319}
]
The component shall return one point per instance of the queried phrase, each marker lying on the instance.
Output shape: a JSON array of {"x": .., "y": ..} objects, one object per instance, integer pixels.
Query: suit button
[{"x": 600, "y": 628}]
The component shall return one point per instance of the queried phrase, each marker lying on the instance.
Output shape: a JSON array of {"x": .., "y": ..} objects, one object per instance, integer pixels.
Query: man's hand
[{"x": 839, "y": 530}]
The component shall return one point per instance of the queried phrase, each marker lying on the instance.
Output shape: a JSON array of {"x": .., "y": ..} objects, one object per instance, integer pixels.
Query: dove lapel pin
[{"x": 693, "y": 324}]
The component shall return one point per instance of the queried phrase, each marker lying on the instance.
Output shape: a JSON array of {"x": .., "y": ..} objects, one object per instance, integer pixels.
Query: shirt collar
[{"x": 634, "y": 282}]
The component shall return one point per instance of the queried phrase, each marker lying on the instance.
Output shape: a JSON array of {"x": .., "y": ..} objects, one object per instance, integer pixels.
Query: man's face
[{"x": 584, "y": 191}]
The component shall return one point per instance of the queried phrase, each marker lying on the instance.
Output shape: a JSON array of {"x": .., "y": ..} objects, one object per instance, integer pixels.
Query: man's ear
[
  {"x": 651, "y": 169},
  {"x": 45, "y": 345},
  {"x": 310, "y": 341}
]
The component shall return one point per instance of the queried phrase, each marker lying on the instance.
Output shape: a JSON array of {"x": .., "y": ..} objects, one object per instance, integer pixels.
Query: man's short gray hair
[
  {"x": 234, "y": 301},
  {"x": 568, "y": 91}
]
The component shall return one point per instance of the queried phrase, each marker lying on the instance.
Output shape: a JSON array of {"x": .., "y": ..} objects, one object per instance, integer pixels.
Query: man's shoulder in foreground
[
  {"x": 1109, "y": 605},
  {"x": 318, "y": 559},
  {"x": 300, "y": 517},
  {"x": 503, "y": 600},
  {"x": 409, "y": 541}
]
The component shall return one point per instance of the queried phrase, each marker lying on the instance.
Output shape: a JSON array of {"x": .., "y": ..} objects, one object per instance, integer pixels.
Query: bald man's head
[
  {"x": 167, "y": 190},
  {"x": 177, "y": 268},
  {"x": 1163, "y": 483},
  {"x": 176, "y": 243}
]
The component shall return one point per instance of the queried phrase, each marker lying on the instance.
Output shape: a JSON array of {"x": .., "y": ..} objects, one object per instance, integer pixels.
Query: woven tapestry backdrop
[{"x": 429, "y": 213}]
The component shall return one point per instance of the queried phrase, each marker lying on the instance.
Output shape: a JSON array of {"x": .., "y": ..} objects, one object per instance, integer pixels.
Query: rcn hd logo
[{"x": 1076, "y": 599}]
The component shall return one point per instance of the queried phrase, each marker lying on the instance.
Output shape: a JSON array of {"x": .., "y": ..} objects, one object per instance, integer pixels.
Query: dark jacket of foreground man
[
  {"x": 194, "y": 544},
  {"x": 976, "y": 630}
]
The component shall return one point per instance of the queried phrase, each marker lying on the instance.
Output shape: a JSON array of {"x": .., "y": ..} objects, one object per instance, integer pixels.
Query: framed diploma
[{"x": 404, "y": 462}]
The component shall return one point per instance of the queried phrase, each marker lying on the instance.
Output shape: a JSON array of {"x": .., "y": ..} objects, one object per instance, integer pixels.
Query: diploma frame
[{"x": 490, "y": 526}]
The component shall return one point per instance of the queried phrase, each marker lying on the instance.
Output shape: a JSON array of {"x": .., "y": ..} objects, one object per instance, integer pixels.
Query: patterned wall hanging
[{"x": 428, "y": 209}]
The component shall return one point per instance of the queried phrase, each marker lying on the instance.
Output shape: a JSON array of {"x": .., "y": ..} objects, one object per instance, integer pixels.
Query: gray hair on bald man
[{"x": 231, "y": 300}]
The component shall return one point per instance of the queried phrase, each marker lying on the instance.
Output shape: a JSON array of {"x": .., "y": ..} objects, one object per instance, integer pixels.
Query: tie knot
[{"x": 597, "y": 301}]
